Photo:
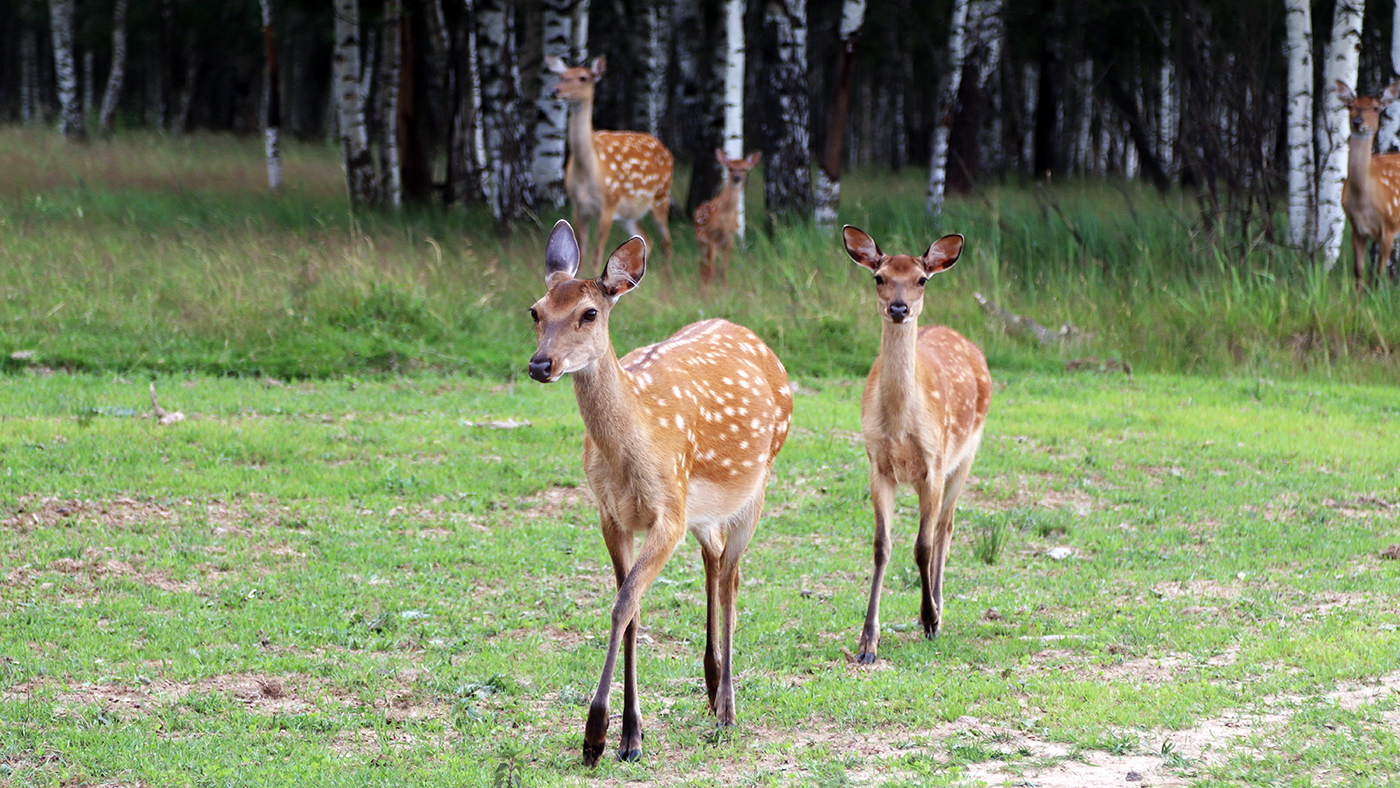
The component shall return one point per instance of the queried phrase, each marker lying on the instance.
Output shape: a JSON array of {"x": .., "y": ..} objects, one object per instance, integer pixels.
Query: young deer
[
  {"x": 717, "y": 220},
  {"x": 922, "y": 414},
  {"x": 680, "y": 435},
  {"x": 1371, "y": 192},
  {"x": 610, "y": 174}
]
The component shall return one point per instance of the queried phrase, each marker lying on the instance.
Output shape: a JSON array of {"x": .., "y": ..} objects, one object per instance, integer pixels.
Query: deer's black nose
[
  {"x": 539, "y": 369},
  {"x": 898, "y": 311}
]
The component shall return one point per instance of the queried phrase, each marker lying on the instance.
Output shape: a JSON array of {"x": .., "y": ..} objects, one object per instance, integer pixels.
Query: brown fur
[
  {"x": 610, "y": 174},
  {"x": 922, "y": 413},
  {"x": 717, "y": 219},
  {"x": 681, "y": 436},
  {"x": 1371, "y": 191}
]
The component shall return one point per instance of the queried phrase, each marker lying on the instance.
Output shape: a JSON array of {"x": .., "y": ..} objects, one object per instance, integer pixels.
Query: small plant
[
  {"x": 1172, "y": 758},
  {"x": 990, "y": 539}
]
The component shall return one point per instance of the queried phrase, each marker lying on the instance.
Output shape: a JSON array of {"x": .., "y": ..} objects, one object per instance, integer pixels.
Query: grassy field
[
  {"x": 335, "y": 571},
  {"x": 334, "y": 583}
]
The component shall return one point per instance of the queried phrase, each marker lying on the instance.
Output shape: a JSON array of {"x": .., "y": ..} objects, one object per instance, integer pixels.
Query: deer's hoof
[
  {"x": 629, "y": 756},
  {"x": 865, "y": 658},
  {"x": 592, "y": 752}
]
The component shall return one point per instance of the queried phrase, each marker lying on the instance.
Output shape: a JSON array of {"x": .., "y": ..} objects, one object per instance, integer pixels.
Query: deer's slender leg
[
  {"x": 728, "y": 251},
  {"x": 1383, "y": 255},
  {"x": 605, "y": 223},
  {"x": 1358, "y": 251},
  {"x": 661, "y": 213},
  {"x": 926, "y": 549},
  {"x": 882, "y": 500},
  {"x": 713, "y": 620},
  {"x": 741, "y": 529}
]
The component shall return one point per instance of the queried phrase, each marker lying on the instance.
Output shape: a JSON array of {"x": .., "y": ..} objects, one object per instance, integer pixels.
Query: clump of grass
[{"x": 990, "y": 537}]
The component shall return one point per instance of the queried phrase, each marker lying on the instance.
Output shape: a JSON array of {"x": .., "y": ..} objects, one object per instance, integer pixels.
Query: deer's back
[{"x": 635, "y": 169}]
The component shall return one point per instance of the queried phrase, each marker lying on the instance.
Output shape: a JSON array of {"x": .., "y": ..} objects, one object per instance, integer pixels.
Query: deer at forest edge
[
  {"x": 717, "y": 220},
  {"x": 610, "y": 174},
  {"x": 922, "y": 413},
  {"x": 1371, "y": 191},
  {"x": 679, "y": 436}
]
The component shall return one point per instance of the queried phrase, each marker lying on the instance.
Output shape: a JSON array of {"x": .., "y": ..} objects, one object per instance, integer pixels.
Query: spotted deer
[
  {"x": 610, "y": 175},
  {"x": 922, "y": 413},
  {"x": 717, "y": 220},
  {"x": 679, "y": 436},
  {"x": 1371, "y": 191}
]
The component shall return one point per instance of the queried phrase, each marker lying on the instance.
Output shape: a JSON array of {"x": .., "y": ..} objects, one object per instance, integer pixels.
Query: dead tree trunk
[
  {"x": 118, "y": 71},
  {"x": 828, "y": 189}
]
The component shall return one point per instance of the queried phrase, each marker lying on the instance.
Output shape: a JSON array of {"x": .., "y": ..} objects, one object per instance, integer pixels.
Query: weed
[{"x": 990, "y": 538}]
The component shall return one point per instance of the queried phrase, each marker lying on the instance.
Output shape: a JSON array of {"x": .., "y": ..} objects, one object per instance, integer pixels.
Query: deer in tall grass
[
  {"x": 1371, "y": 191},
  {"x": 679, "y": 436},
  {"x": 922, "y": 413},
  {"x": 610, "y": 175},
  {"x": 717, "y": 220}
]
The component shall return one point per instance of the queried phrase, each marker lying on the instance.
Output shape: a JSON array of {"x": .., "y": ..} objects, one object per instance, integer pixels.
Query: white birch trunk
[
  {"x": 551, "y": 128},
  {"x": 943, "y": 112},
  {"x": 1030, "y": 84},
  {"x": 827, "y": 193},
  {"x": 476, "y": 135},
  {"x": 787, "y": 179},
  {"x": 1343, "y": 59},
  {"x": 656, "y": 23},
  {"x": 70, "y": 119},
  {"x": 509, "y": 176},
  {"x": 390, "y": 156},
  {"x": 354, "y": 137},
  {"x": 117, "y": 74},
  {"x": 1389, "y": 136},
  {"x": 272, "y": 103},
  {"x": 579, "y": 33},
  {"x": 1298, "y": 51},
  {"x": 733, "y": 61},
  {"x": 1083, "y": 137},
  {"x": 988, "y": 37},
  {"x": 1168, "y": 109}
]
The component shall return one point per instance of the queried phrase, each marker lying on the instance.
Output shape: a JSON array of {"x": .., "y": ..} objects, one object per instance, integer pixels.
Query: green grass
[
  {"x": 146, "y": 254},
  {"x": 341, "y": 582}
]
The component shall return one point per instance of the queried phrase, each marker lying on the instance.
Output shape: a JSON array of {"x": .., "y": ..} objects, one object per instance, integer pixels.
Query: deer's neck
[
  {"x": 728, "y": 199},
  {"x": 1359, "y": 163},
  {"x": 583, "y": 156},
  {"x": 898, "y": 389},
  {"x": 609, "y": 409}
]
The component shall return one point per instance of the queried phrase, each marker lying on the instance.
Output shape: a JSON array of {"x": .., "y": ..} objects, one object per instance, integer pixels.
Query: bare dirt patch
[
  {"x": 554, "y": 501},
  {"x": 96, "y": 566},
  {"x": 259, "y": 693}
]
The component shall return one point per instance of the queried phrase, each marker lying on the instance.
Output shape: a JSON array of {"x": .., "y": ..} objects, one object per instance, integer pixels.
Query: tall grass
[{"x": 148, "y": 254}]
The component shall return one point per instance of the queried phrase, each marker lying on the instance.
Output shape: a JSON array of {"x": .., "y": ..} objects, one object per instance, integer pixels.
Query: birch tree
[
  {"x": 1343, "y": 60},
  {"x": 1298, "y": 50},
  {"x": 787, "y": 179},
  {"x": 579, "y": 32},
  {"x": 117, "y": 73},
  {"x": 551, "y": 127},
  {"x": 350, "y": 104},
  {"x": 828, "y": 188},
  {"x": 733, "y": 103},
  {"x": 272, "y": 104},
  {"x": 390, "y": 67},
  {"x": 508, "y": 183},
  {"x": 943, "y": 111},
  {"x": 656, "y": 24},
  {"x": 1389, "y": 136},
  {"x": 70, "y": 119}
]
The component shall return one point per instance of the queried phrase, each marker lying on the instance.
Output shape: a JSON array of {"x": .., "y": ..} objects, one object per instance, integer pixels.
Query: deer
[
  {"x": 922, "y": 412},
  {"x": 717, "y": 220},
  {"x": 1371, "y": 191},
  {"x": 610, "y": 175},
  {"x": 678, "y": 436}
]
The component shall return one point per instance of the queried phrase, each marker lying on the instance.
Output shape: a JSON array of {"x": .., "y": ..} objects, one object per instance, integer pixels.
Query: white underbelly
[{"x": 709, "y": 505}]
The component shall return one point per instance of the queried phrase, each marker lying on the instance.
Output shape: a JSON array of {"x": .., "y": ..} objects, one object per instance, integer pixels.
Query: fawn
[
  {"x": 679, "y": 436},
  {"x": 1371, "y": 191},
  {"x": 610, "y": 174},
  {"x": 921, "y": 414},
  {"x": 717, "y": 220}
]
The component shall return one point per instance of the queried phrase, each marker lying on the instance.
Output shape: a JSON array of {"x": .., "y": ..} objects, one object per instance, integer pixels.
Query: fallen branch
[
  {"x": 164, "y": 416},
  {"x": 1016, "y": 325}
]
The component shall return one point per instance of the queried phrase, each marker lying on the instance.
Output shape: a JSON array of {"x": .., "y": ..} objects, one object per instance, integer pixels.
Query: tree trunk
[
  {"x": 1342, "y": 62},
  {"x": 553, "y": 115},
  {"x": 733, "y": 69},
  {"x": 985, "y": 30},
  {"x": 828, "y": 188},
  {"x": 70, "y": 119},
  {"x": 656, "y": 52},
  {"x": 474, "y": 136},
  {"x": 1298, "y": 50},
  {"x": 28, "y": 76},
  {"x": 272, "y": 102},
  {"x": 354, "y": 138},
  {"x": 509, "y": 184},
  {"x": 180, "y": 123},
  {"x": 1389, "y": 136},
  {"x": 1168, "y": 108},
  {"x": 578, "y": 33},
  {"x": 415, "y": 166},
  {"x": 390, "y": 66},
  {"x": 787, "y": 178},
  {"x": 89, "y": 68},
  {"x": 117, "y": 72},
  {"x": 698, "y": 44},
  {"x": 943, "y": 112}
]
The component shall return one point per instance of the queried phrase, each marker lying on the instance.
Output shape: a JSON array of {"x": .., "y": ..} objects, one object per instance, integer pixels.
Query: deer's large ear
[
  {"x": 752, "y": 160},
  {"x": 560, "y": 254},
  {"x": 943, "y": 253},
  {"x": 555, "y": 65},
  {"x": 861, "y": 247},
  {"x": 625, "y": 268},
  {"x": 721, "y": 158},
  {"x": 1344, "y": 93},
  {"x": 600, "y": 64},
  {"x": 1392, "y": 92}
]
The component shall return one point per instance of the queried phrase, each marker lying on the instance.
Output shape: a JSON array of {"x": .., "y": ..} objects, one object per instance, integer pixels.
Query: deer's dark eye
[
  {"x": 535, "y": 316},
  {"x": 923, "y": 280},
  {"x": 590, "y": 315},
  {"x": 879, "y": 280}
]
